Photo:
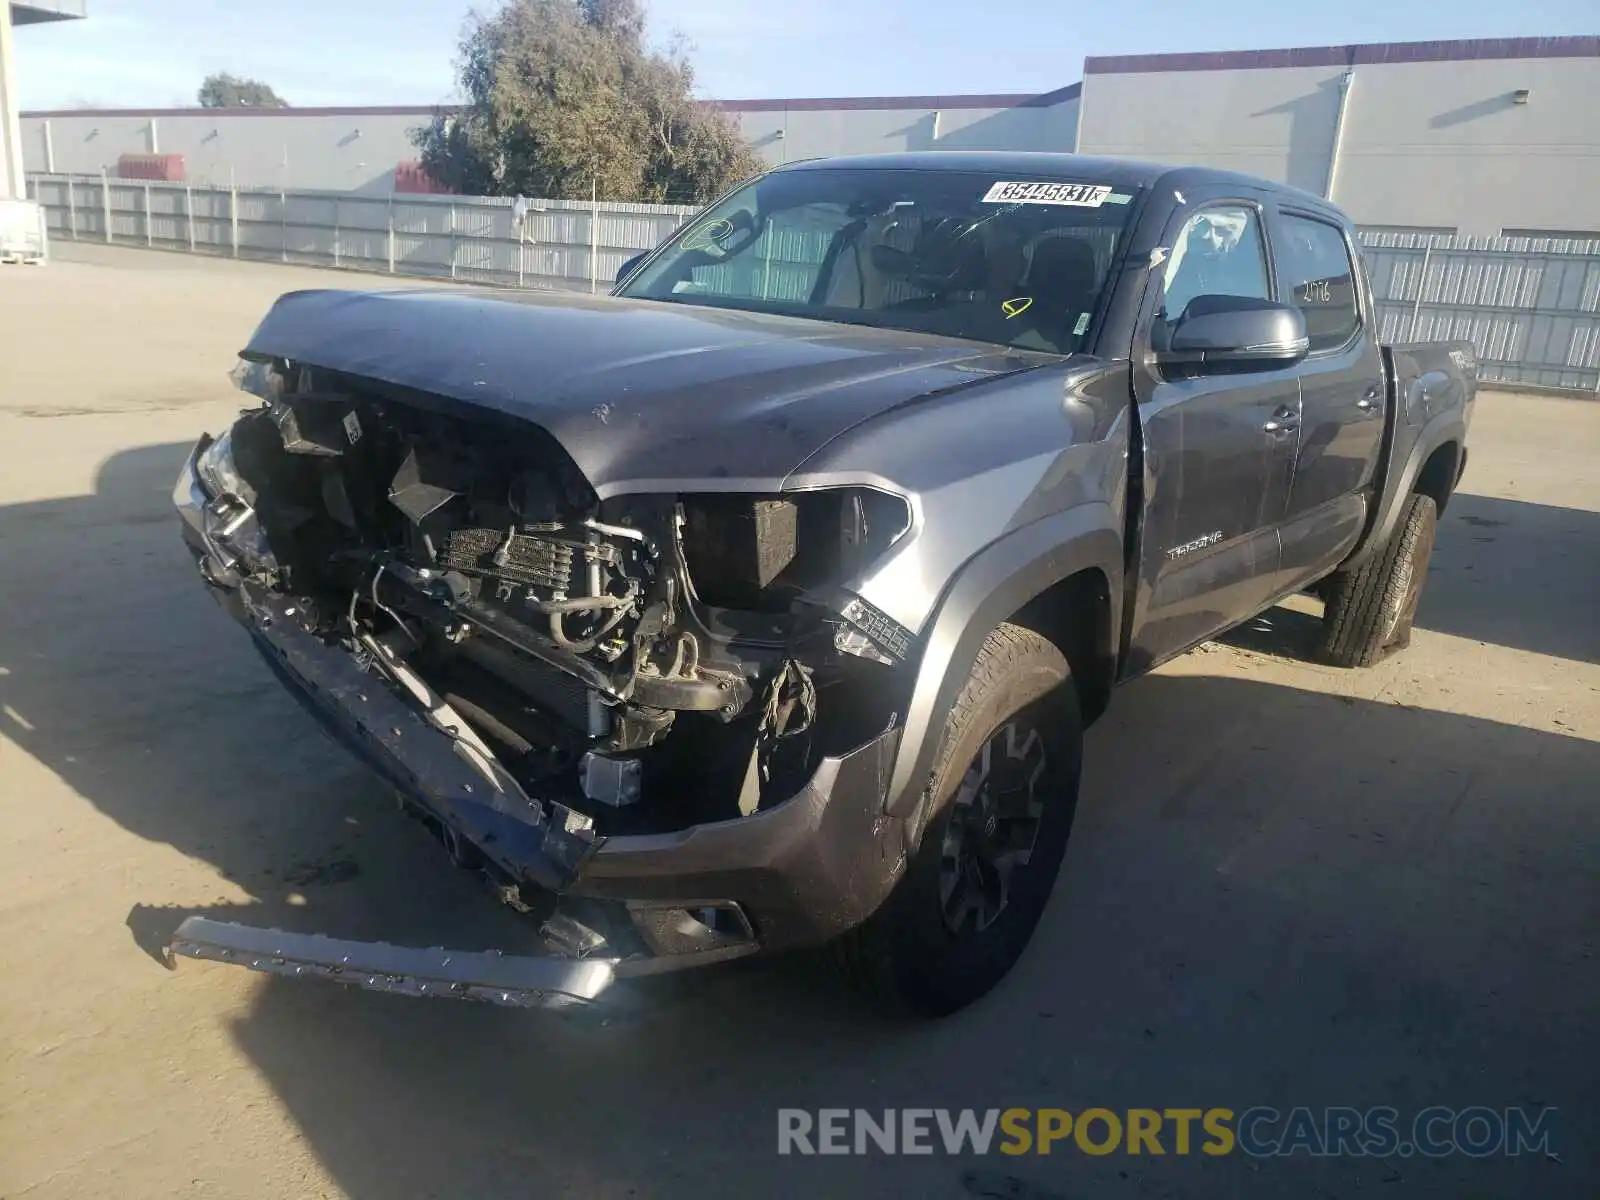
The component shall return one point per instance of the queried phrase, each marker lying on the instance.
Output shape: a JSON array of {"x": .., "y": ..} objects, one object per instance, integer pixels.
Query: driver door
[{"x": 1218, "y": 444}]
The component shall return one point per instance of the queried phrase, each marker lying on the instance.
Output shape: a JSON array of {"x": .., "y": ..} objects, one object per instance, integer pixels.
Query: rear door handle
[
  {"x": 1284, "y": 420},
  {"x": 1369, "y": 398}
]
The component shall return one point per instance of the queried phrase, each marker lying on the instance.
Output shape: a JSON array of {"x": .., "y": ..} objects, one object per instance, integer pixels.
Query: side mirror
[
  {"x": 1228, "y": 331},
  {"x": 627, "y": 268}
]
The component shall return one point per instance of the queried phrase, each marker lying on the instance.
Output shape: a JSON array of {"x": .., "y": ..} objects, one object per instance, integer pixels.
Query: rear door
[
  {"x": 1341, "y": 390},
  {"x": 1218, "y": 444}
]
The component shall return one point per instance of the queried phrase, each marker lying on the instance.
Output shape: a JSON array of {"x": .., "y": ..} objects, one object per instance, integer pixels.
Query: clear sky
[{"x": 154, "y": 53}]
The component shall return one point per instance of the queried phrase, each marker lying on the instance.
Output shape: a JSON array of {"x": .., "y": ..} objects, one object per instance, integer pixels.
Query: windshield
[{"x": 1017, "y": 262}]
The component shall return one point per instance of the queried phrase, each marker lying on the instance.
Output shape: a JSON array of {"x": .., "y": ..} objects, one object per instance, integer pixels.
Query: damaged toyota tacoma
[{"x": 763, "y": 603}]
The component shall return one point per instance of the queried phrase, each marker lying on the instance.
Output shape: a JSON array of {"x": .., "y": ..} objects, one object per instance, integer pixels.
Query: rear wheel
[
  {"x": 1005, "y": 786},
  {"x": 1370, "y": 610}
]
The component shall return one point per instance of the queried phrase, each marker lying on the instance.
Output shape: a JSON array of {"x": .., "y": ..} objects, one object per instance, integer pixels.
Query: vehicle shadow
[
  {"x": 1281, "y": 631},
  {"x": 1273, "y": 896},
  {"x": 1505, "y": 572}
]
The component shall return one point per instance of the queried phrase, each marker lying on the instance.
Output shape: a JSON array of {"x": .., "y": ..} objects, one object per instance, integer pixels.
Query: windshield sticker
[
  {"x": 1083, "y": 323},
  {"x": 1119, "y": 197},
  {"x": 1073, "y": 195},
  {"x": 1016, "y": 306}
]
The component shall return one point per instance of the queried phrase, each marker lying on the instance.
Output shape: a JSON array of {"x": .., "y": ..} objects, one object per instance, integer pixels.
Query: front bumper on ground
[
  {"x": 797, "y": 873},
  {"x": 517, "y": 981}
]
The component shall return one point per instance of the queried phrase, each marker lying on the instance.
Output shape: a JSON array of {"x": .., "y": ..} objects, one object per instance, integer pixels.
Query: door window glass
[
  {"x": 1218, "y": 253},
  {"x": 1318, "y": 279}
]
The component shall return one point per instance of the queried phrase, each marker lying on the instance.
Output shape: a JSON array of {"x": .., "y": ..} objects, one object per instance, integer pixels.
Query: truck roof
[{"x": 1030, "y": 164}]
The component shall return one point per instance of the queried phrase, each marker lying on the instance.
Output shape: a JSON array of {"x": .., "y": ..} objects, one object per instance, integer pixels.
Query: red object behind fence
[
  {"x": 410, "y": 177},
  {"x": 167, "y": 167}
]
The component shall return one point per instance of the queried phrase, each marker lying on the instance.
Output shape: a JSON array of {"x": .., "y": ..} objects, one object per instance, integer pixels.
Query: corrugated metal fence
[
  {"x": 1530, "y": 305},
  {"x": 561, "y": 243}
]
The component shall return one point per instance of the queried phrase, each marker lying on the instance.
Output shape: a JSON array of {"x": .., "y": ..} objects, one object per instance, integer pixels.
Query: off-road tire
[
  {"x": 904, "y": 959},
  {"x": 1369, "y": 611}
]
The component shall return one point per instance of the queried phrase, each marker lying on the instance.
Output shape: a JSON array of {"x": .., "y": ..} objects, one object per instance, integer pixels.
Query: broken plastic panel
[{"x": 870, "y": 633}]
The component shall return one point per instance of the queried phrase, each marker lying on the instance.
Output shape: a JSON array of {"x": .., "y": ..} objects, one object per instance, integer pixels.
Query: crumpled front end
[{"x": 660, "y": 726}]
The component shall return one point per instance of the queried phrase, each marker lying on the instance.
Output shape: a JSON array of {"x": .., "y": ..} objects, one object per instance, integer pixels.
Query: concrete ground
[{"x": 1289, "y": 885}]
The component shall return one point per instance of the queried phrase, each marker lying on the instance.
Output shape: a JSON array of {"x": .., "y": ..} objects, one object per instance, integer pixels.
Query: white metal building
[
  {"x": 1475, "y": 137},
  {"x": 332, "y": 149},
  {"x": 20, "y": 12},
  {"x": 357, "y": 149},
  {"x": 783, "y": 130}
]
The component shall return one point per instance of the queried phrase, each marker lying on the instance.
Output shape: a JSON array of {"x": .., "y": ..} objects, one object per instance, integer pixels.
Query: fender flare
[
  {"x": 990, "y": 587},
  {"x": 1446, "y": 427}
]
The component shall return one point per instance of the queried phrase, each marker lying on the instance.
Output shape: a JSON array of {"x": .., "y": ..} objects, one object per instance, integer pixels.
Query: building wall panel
[
  {"x": 1276, "y": 123},
  {"x": 1447, "y": 144}
]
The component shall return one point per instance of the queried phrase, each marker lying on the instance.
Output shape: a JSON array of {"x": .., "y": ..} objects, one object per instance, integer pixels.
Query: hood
[{"x": 642, "y": 394}]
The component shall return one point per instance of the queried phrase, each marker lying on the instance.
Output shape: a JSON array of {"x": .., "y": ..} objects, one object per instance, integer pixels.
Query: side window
[
  {"x": 1217, "y": 253},
  {"x": 1318, "y": 279}
]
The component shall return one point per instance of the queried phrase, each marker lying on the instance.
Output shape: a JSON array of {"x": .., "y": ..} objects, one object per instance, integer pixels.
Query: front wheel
[{"x": 1005, "y": 785}]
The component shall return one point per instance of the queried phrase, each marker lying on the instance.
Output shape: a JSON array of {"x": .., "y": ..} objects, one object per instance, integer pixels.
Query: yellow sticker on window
[{"x": 1016, "y": 306}]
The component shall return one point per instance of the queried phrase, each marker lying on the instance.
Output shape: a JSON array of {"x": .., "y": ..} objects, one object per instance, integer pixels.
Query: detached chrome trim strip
[{"x": 489, "y": 976}]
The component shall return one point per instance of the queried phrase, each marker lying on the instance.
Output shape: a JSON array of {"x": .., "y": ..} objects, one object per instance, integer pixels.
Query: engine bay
[{"x": 651, "y": 661}]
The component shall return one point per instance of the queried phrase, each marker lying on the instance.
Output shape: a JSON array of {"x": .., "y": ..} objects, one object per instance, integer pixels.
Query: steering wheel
[{"x": 723, "y": 237}]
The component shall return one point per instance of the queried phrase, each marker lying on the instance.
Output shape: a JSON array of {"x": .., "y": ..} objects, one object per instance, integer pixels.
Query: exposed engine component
[
  {"x": 741, "y": 545},
  {"x": 506, "y": 557},
  {"x": 763, "y": 552},
  {"x": 654, "y": 661},
  {"x": 611, "y": 781}
]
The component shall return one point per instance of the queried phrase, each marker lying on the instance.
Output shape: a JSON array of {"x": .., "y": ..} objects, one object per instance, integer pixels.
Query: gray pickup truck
[{"x": 764, "y": 602}]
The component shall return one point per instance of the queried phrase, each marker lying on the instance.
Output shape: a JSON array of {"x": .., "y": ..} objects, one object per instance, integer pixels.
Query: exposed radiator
[{"x": 531, "y": 559}]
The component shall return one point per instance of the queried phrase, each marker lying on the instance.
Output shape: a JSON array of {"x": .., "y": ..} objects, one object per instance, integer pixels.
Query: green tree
[
  {"x": 229, "y": 91},
  {"x": 565, "y": 95}
]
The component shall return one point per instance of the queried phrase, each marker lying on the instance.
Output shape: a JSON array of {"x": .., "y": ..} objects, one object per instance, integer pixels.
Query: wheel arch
[
  {"x": 1048, "y": 575},
  {"x": 1074, "y": 615},
  {"x": 1440, "y": 473},
  {"x": 1439, "y": 445}
]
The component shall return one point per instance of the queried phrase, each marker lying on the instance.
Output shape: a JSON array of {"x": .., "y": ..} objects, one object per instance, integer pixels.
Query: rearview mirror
[{"x": 1237, "y": 331}]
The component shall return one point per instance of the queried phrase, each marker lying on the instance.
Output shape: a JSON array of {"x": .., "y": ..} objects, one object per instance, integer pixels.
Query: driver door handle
[{"x": 1284, "y": 420}]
